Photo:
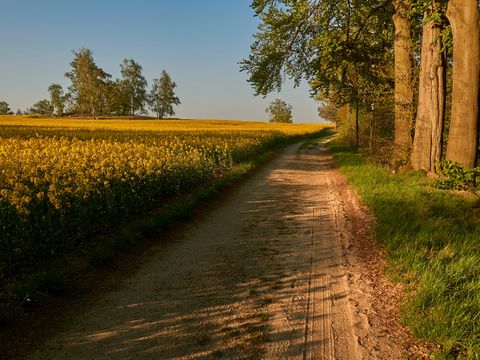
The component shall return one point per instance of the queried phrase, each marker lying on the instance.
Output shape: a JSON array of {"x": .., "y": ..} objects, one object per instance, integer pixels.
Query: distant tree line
[
  {"x": 398, "y": 77},
  {"x": 94, "y": 92}
]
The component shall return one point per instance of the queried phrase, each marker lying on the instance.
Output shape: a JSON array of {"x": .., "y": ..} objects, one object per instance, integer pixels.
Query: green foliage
[
  {"x": 133, "y": 85},
  {"x": 162, "y": 96},
  {"x": 4, "y": 108},
  {"x": 92, "y": 91},
  {"x": 42, "y": 107},
  {"x": 89, "y": 83},
  {"x": 425, "y": 11},
  {"x": 57, "y": 98},
  {"x": 432, "y": 246},
  {"x": 118, "y": 98},
  {"x": 279, "y": 111},
  {"x": 343, "y": 49},
  {"x": 458, "y": 178},
  {"x": 328, "y": 111}
]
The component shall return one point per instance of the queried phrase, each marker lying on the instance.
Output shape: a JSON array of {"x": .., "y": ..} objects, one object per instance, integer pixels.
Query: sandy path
[{"x": 271, "y": 273}]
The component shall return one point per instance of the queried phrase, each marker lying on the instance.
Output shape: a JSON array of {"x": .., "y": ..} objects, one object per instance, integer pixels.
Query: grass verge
[{"x": 432, "y": 239}]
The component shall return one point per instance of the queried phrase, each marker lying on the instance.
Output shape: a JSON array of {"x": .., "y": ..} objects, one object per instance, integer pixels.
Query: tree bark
[
  {"x": 427, "y": 143},
  {"x": 463, "y": 136},
  {"x": 403, "y": 81},
  {"x": 372, "y": 130},
  {"x": 357, "y": 130}
]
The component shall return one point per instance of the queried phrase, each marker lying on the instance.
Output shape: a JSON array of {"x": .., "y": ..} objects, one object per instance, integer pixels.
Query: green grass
[{"x": 432, "y": 239}]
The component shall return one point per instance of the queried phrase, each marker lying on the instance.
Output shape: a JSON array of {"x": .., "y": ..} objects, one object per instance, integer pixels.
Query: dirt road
[{"x": 283, "y": 269}]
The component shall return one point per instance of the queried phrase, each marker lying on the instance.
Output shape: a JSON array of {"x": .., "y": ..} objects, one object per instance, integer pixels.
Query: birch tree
[
  {"x": 134, "y": 85},
  {"x": 162, "y": 96},
  {"x": 57, "y": 98},
  {"x": 88, "y": 82}
]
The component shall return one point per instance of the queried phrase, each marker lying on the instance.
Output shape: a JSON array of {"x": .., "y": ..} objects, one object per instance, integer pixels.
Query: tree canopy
[
  {"x": 340, "y": 48},
  {"x": 89, "y": 82},
  {"x": 371, "y": 59},
  {"x": 42, "y": 107},
  {"x": 279, "y": 111},
  {"x": 162, "y": 96},
  {"x": 4, "y": 108},
  {"x": 133, "y": 86},
  {"x": 93, "y": 91},
  {"x": 57, "y": 98}
]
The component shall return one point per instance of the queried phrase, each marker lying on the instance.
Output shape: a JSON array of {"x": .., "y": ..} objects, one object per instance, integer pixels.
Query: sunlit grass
[{"x": 433, "y": 243}]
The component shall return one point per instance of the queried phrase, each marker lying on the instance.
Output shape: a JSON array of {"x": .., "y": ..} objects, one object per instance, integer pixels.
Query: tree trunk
[
  {"x": 357, "y": 130},
  {"x": 427, "y": 144},
  {"x": 372, "y": 130},
  {"x": 373, "y": 125},
  {"x": 463, "y": 137},
  {"x": 403, "y": 81}
]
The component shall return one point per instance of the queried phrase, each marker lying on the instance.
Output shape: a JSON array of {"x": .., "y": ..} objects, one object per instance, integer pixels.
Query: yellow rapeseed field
[
  {"x": 157, "y": 125},
  {"x": 62, "y": 179}
]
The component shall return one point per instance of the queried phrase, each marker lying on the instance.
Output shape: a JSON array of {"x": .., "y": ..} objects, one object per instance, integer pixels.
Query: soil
[{"x": 284, "y": 268}]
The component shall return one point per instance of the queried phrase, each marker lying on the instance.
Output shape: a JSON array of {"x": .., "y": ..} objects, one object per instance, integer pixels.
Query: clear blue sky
[{"x": 198, "y": 42}]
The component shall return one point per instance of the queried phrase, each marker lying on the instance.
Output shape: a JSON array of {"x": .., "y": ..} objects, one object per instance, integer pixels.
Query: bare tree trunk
[
  {"x": 403, "y": 81},
  {"x": 427, "y": 144},
  {"x": 357, "y": 130},
  {"x": 463, "y": 136},
  {"x": 372, "y": 130}
]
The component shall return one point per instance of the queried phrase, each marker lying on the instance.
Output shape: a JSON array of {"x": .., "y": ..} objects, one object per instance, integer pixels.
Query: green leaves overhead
[
  {"x": 281, "y": 45},
  {"x": 338, "y": 47}
]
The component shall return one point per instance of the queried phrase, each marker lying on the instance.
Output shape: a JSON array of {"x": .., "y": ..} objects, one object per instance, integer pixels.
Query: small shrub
[{"x": 456, "y": 177}]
